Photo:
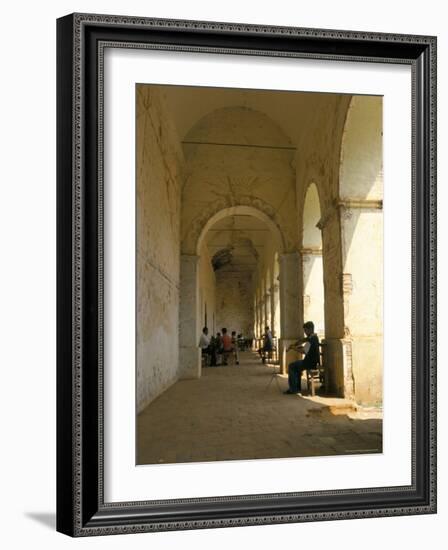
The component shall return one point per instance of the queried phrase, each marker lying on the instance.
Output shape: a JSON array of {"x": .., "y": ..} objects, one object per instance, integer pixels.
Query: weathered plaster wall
[
  {"x": 361, "y": 190},
  {"x": 158, "y": 245},
  {"x": 234, "y": 303},
  {"x": 364, "y": 302}
]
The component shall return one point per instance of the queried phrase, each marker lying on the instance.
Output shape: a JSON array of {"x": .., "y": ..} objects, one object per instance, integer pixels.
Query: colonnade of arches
[{"x": 287, "y": 219}]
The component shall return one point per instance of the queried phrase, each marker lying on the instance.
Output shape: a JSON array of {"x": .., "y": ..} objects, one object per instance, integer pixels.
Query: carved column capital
[
  {"x": 365, "y": 204},
  {"x": 311, "y": 251}
]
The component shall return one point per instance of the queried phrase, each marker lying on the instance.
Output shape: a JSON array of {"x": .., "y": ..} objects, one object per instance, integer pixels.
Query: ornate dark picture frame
[{"x": 81, "y": 509}]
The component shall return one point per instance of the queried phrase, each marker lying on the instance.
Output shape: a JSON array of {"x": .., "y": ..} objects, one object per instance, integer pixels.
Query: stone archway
[
  {"x": 258, "y": 209},
  {"x": 288, "y": 274}
]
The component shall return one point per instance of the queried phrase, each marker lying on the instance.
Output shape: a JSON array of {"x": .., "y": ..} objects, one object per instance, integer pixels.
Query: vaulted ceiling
[
  {"x": 235, "y": 243},
  {"x": 294, "y": 112}
]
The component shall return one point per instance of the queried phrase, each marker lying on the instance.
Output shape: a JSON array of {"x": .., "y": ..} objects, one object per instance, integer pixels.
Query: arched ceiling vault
[
  {"x": 295, "y": 113},
  {"x": 236, "y": 243}
]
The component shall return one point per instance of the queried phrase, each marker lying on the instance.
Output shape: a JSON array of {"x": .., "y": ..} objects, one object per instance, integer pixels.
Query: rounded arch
[
  {"x": 239, "y": 210},
  {"x": 361, "y": 168},
  {"x": 239, "y": 120},
  {"x": 312, "y": 214},
  {"x": 276, "y": 267},
  {"x": 312, "y": 261},
  {"x": 268, "y": 279}
]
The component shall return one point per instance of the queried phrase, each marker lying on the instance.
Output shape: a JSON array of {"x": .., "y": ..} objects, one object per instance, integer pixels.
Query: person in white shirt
[{"x": 204, "y": 344}]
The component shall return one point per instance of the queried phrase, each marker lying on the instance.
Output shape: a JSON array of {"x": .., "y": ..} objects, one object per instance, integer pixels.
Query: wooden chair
[
  {"x": 272, "y": 355},
  {"x": 313, "y": 379},
  {"x": 318, "y": 376},
  {"x": 205, "y": 359}
]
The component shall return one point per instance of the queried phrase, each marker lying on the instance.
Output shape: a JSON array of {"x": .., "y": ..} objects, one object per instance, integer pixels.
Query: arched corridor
[{"x": 254, "y": 210}]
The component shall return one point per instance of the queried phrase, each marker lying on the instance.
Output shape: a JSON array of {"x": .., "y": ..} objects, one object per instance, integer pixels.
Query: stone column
[
  {"x": 353, "y": 263},
  {"x": 276, "y": 320},
  {"x": 290, "y": 306},
  {"x": 267, "y": 303},
  {"x": 262, "y": 316},
  {"x": 258, "y": 325},
  {"x": 335, "y": 343},
  {"x": 255, "y": 314},
  {"x": 272, "y": 320},
  {"x": 190, "y": 355},
  {"x": 255, "y": 328}
]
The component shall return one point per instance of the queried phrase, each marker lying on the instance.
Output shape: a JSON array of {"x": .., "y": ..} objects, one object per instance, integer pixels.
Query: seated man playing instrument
[{"x": 310, "y": 346}]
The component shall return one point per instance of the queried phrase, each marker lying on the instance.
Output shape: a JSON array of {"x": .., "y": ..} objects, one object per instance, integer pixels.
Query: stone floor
[{"x": 240, "y": 412}]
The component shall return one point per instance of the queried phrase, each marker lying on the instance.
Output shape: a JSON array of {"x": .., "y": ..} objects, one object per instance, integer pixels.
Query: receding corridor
[{"x": 240, "y": 412}]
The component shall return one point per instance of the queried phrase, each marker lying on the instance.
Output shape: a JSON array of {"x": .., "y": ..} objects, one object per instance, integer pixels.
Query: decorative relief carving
[
  {"x": 346, "y": 283},
  {"x": 346, "y": 213},
  {"x": 324, "y": 220},
  {"x": 346, "y": 206}
]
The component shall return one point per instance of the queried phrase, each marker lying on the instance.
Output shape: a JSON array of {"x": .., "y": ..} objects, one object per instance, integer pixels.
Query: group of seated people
[{"x": 218, "y": 349}]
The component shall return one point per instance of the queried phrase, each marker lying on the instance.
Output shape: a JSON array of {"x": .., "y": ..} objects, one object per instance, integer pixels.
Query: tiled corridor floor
[{"x": 234, "y": 412}]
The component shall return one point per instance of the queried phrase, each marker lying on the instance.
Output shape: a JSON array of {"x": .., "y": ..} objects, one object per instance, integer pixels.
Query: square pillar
[
  {"x": 189, "y": 352},
  {"x": 290, "y": 306}
]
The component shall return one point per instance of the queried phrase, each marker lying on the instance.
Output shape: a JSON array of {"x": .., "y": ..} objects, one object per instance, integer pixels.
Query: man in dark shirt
[
  {"x": 268, "y": 345},
  {"x": 310, "y": 345}
]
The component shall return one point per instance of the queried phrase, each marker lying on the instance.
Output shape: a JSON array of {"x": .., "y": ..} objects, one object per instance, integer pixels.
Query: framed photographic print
[{"x": 246, "y": 274}]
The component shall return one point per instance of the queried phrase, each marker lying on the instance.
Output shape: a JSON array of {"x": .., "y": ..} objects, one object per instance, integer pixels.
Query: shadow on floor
[{"x": 239, "y": 413}]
